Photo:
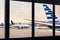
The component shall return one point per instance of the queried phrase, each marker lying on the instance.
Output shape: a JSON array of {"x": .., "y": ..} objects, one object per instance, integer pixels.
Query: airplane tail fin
[
  {"x": 49, "y": 14},
  {"x": 12, "y": 22}
]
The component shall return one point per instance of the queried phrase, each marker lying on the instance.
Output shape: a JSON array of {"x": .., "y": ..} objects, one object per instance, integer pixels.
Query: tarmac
[{"x": 22, "y": 33}]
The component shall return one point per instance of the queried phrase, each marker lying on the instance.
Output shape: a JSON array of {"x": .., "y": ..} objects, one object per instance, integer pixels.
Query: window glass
[
  {"x": 2, "y": 27},
  {"x": 43, "y": 20},
  {"x": 57, "y": 24},
  {"x": 20, "y": 13}
]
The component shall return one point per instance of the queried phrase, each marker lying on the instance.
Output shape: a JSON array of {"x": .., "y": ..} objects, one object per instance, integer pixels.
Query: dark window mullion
[
  {"x": 6, "y": 19},
  {"x": 32, "y": 18},
  {"x": 53, "y": 19}
]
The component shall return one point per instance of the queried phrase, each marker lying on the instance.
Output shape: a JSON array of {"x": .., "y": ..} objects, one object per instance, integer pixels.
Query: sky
[
  {"x": 22, "y": 10},
  {"x": 19, "y": 11}
]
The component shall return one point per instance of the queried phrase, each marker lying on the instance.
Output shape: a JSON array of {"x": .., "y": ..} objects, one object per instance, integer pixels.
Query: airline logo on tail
[{"x": 49, "y": 15}]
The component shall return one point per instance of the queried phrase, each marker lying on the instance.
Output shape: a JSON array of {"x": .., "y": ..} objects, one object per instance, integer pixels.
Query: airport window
[
  {"x": 21, "y": 19},
  {"x": 2, "y": 27},
  {"x": 43, "y": 18},
  {"x": 57, "y": 24},
  {"x": 20, "y": 16}
]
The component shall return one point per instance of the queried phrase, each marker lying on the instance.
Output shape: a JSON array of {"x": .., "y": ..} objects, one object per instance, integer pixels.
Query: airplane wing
[
  {"x": 40, "y": 25},
  {"x": 44, "y": 21}
]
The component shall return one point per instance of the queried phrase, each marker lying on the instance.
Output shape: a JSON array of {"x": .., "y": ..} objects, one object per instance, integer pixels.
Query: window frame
[{"x": 7, "y": 12}]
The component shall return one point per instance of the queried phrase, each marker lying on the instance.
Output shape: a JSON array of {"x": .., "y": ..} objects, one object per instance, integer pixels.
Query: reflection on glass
[
  {"x": 20, "y": 13},
  {"x": 43, "y": 20},
  {"x": 57, "y": 20},
  {"x": 2, "y": 27}
]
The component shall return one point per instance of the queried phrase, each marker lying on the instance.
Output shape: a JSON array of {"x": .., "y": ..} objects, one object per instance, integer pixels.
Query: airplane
[
  {"x": 20, "y": 25},
  {"x": 49, "y": 16},
  {"x": 17, "y": 25}
]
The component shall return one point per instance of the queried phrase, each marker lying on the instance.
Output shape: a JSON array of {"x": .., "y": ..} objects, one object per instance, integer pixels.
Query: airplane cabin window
[{"x": 20, "y": 16}]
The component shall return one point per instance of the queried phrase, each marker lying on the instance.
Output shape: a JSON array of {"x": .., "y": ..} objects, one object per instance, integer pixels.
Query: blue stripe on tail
[{"x": 49, "y": 15}]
